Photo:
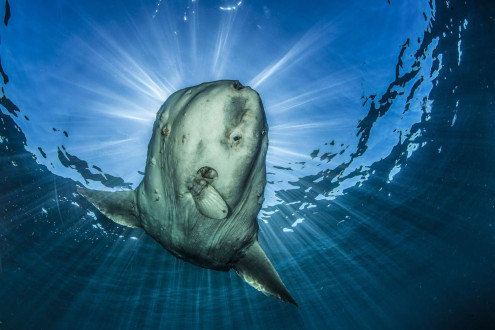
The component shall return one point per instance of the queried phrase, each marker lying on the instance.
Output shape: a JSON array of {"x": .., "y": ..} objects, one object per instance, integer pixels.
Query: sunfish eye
[{"x": 235, "y": 139}]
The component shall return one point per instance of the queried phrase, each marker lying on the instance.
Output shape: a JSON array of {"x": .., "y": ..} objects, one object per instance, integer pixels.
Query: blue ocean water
[{"x": 379, "y": 209}]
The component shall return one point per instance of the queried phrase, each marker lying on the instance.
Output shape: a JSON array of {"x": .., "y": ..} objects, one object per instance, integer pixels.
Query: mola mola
[{"x": 203, "y": 184}]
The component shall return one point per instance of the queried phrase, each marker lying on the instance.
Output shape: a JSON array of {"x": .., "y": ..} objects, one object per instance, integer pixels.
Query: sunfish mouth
[{"x": 207, "y": 199}]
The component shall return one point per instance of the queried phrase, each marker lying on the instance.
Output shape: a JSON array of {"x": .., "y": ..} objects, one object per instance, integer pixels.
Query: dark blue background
[{"x": 413, "y": 252}]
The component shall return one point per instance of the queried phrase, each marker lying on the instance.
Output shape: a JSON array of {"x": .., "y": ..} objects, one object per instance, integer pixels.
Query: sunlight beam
[{"x": 312, "y": 40}]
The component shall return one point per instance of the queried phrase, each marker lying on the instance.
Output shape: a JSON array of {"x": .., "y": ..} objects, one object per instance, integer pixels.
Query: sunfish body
[{"x": 203, "y": 184}]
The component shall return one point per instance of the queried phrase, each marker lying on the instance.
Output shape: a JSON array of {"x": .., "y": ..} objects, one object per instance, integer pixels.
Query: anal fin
[
  {"x": 257, "y": 270},
  {"x": 119, "y": 206}
]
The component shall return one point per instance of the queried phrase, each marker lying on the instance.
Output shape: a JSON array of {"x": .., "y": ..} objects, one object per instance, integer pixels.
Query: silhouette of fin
[
  {"x": 256, "y": 269},
  {"x": 119, "y": 206}
]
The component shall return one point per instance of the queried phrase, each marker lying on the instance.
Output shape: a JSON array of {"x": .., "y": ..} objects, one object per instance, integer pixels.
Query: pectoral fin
[
  {"x": 119, "y": 206},
  {"x": 256, "y": 269},
  {"x": 208, "y": 201}
]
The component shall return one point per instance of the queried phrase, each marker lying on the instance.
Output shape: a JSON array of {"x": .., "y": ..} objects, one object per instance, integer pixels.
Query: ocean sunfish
[{"x": 203, "y": 184}]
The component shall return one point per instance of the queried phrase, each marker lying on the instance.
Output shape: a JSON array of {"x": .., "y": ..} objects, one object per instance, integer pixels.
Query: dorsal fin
[
  {"x": 256, "y": 269},
  {"x": 119, "y": 206}
]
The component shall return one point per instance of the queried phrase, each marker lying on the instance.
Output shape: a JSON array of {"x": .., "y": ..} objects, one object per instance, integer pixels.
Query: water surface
[{"x": 379, "y": 205}]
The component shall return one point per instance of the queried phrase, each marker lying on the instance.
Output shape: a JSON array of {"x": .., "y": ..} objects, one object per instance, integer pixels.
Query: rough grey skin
[{"x": 204, "y": 181}]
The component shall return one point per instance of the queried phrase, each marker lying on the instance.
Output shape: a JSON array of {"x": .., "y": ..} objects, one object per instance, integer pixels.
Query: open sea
[{"x": 379, "y": 208}]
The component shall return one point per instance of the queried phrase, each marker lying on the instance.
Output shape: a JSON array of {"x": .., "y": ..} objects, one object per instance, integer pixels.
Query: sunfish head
[{"x": 216, "y": 134}]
